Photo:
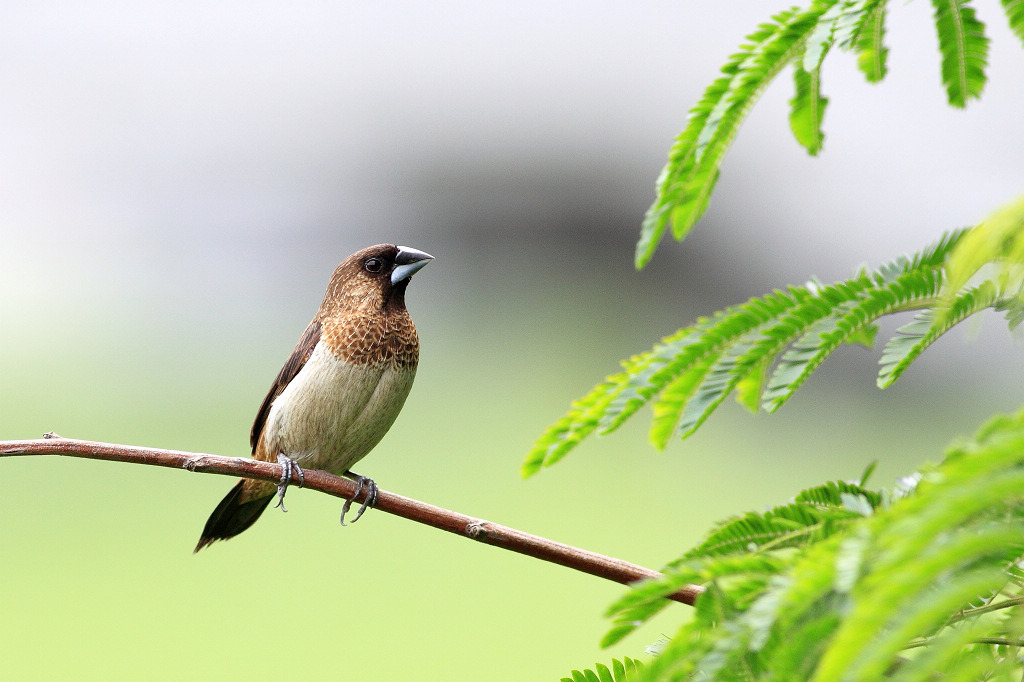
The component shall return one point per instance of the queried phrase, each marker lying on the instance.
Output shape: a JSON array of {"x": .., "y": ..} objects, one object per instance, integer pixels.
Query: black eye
[{"x": 373, "y": 265}]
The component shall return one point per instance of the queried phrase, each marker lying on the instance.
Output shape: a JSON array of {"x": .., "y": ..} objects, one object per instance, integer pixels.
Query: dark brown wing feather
[{"x": 303, "y": 349}]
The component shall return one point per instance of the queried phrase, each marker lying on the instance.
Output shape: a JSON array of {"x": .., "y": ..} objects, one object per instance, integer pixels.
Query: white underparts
[{"x": 334, "y": 412}]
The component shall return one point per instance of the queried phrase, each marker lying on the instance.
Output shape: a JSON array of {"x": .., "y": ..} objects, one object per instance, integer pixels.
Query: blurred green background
[{"x": 178, "y": 184}]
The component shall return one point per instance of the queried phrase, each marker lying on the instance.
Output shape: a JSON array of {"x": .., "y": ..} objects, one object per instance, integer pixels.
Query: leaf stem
[{"x": 987, "y": 608}]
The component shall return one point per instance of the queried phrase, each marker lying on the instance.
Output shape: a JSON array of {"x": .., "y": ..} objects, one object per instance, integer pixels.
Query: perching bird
[{"x": 341, "y": 389}]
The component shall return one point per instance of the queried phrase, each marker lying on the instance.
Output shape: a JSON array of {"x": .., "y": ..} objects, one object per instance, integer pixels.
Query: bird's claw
[
  {"x": 371, "y": 496},
  {"x": 289, "y": 468}
]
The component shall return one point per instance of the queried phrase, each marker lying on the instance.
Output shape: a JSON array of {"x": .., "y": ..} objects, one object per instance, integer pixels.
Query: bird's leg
[
  {"x": 371, "y": 496},
  {"x": 289, "y": 467}
]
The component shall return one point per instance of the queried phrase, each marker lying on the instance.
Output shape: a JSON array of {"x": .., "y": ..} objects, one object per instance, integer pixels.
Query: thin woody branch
[{"x": 484, "y": 531}]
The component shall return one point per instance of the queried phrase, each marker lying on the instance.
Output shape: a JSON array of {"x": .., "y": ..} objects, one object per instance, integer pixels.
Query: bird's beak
[{"x": 408, "y": 262}]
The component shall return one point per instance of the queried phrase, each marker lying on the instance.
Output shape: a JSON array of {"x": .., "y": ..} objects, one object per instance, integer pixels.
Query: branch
[{"x": 484, "y": 531}]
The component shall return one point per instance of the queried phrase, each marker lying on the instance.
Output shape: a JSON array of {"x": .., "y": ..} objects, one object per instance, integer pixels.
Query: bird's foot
[
  {"x": 289, "y": 468},
  {"x": 371, "y": 496}
]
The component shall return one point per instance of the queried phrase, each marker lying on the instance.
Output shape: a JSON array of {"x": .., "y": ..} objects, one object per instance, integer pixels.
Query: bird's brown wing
[{"x": 296, "y": 361}]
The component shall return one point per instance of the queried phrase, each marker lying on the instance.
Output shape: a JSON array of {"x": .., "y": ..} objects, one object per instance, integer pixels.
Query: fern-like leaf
[
  {"x": 999, "y": 239},
  {"x": 832, "y": 494},
  {"x": 626, "y": 670},
  {"x": 845, "y": 605},
  {"x": 814, "y": 514},
  {"x": 843, "y": 327},
  {"x": 964, "y": 49},
  {"x": 957, "y": 651},
  {"x": 685, "y": 184},
  {"x": 750, "y": 387},
  {"x": 841, "y": 24},
  {"x": 837, "y": 24},
  {"x": 1013, "y": 306},
  {"x": 719, "y": 369},
  {"x": 670, "y": 404},
  {"x": 805, "y": 37},
  {"x": 807, "y": 109},
  {"x": 647, "y": 598},
  {"x": 790, "y": 525},
  {"x": 567, "y": 432},
  {"x": 911, "y": 340},
  {"x": 753, "y": 350},
  {"x": 872, "y": 54},
  {"x": 1015, "y": 13},
  {"x": 610, "y": 403},
  {"x": 764, "y": 350}
]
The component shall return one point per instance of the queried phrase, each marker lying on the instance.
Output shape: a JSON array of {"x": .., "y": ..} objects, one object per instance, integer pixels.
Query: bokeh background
[{"x": 178, "y": 180}]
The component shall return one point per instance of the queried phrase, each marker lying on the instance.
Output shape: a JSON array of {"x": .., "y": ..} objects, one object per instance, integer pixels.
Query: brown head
[{"x": 372, "y": 280}]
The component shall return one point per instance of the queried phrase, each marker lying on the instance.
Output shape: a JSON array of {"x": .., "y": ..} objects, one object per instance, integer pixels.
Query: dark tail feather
[{"x": 232, "y": 516}]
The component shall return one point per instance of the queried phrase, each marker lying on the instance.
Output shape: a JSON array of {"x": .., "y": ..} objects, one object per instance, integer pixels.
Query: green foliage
[
  {"x": 999, "y": 240},
  {"x": 870, "y": 46},
  {"x": 621, "y": 671},
  {"x": 802, "y": 37},
  {"x": 808, "y": 110},
  {"x": 814, "y": 515},
  {"x": 1015, "y": 13},
  {"x": 964, "y": 49},
  {"x": 686, "y": 182},
  {"x": 927, "y": 582},
  {"x": 843, "y": 582},
  {"x": 766, "y": 348},
  {"x": 928, "y": 326}
]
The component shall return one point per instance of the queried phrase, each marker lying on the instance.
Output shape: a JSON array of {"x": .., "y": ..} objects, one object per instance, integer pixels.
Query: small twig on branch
[{"x": 484, "y": 531}]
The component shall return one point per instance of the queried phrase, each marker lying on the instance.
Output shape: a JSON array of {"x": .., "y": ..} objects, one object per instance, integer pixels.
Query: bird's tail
[{"x": 237, "y": 511}]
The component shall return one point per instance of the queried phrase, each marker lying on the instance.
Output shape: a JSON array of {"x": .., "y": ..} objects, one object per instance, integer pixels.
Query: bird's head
[{"x": 374, "y": 278}]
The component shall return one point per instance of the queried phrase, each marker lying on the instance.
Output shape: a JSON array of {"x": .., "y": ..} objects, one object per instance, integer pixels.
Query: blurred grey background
[{"x": 178, "y": 180}]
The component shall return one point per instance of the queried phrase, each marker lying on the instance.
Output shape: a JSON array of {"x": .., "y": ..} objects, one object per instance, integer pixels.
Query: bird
[{"x": 340, "y": 390}]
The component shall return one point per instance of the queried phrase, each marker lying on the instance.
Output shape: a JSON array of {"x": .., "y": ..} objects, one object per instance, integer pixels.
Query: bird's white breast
[{"x": 334, "y": 412}]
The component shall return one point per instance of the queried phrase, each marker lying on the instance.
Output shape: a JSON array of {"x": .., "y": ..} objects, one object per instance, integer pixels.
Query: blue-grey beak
[{"x": 408, "y": 262}]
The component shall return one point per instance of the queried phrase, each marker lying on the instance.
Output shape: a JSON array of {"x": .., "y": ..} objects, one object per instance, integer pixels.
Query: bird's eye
[{"x": 373, "y": 265}]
